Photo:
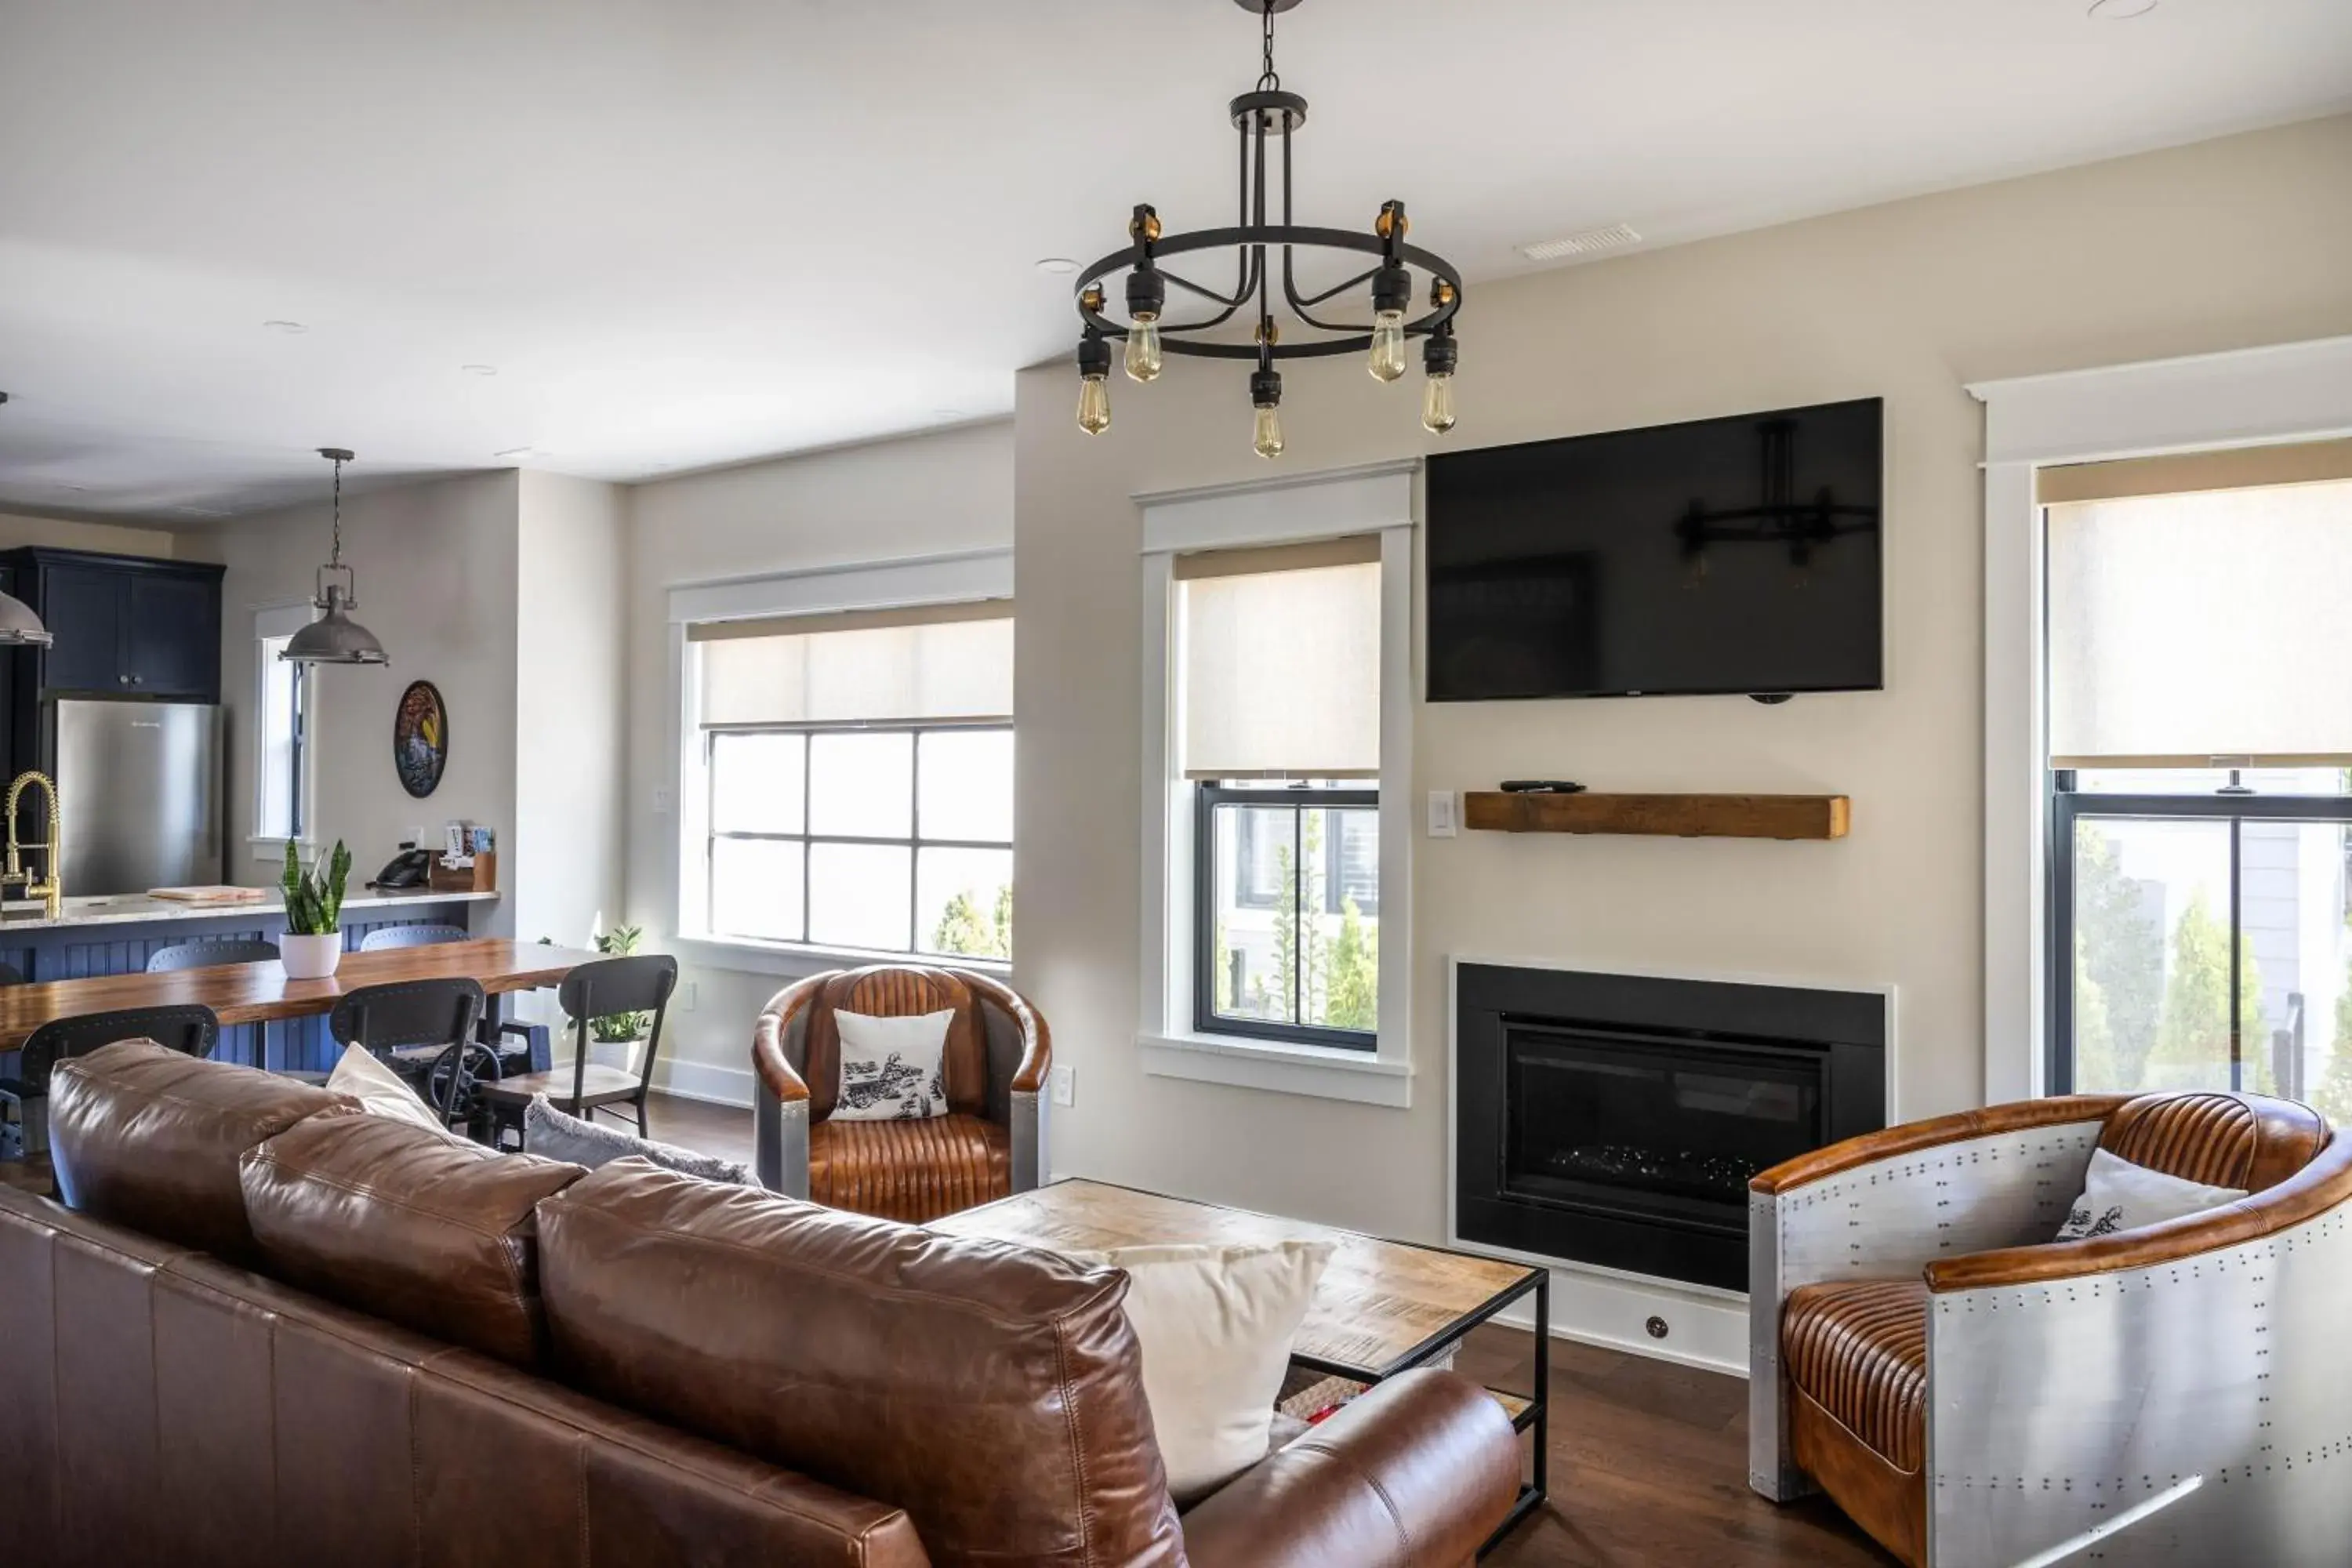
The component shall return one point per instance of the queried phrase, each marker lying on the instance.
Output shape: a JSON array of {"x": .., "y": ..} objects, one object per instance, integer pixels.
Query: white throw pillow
[
  {"x": 379, "y": 1089},
  {"x": 892, "y": 1069},
  {"x": 1215, "y": 1323},
  {"x": 2120, "y": 1196}
]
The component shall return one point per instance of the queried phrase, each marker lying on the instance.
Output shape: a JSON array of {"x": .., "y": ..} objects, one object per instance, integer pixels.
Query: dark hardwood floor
[{"x": 1649, "y": 1460}]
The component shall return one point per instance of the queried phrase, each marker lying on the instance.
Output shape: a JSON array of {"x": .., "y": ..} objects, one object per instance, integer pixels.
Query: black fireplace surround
[{"x": 1615, "y": 1118}]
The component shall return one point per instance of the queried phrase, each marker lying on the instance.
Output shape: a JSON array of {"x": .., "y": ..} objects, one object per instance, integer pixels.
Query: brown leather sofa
[
  {"x": 1973, "y": 1392},
  {"x": 990, "y": 1145},
  {"x": 258, "y": 1327}
]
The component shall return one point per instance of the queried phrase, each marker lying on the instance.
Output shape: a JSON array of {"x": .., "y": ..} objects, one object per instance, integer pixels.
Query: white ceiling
[{"x": 691, "y": 232}]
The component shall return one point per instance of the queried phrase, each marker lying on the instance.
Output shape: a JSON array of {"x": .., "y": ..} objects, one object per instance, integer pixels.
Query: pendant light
[
  {"x": 334, "y": 637},
  {"x": 19, "y": 628}
]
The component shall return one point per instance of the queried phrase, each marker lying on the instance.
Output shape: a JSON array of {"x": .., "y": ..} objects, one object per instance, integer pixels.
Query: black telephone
[{"x": 406, "y": 869}]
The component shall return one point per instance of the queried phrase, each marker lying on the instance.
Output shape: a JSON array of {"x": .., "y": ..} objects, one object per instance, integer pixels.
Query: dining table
[{"x": 263, "y": 993}]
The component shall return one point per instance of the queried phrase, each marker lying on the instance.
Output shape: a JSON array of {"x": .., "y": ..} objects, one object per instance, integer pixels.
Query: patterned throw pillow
[
  {"x": 2120, "y": 1196},
  {"x": 892, "y": 1070}
]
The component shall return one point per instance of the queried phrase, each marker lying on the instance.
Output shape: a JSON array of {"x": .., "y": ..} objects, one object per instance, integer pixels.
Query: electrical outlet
[
  {"x": 413, "y": 834},
  {"x": 661, "y": 799},
  {"x": 1441, "y": 813},
  {"x": 1066, "y": 1086},
  {"x": 689, "y": 995}
]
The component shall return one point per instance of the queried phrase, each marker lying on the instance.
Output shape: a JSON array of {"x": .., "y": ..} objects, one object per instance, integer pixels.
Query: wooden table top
[
  {"x": 260, "y": 993},
  {"x": 1378, "y": 1303}
]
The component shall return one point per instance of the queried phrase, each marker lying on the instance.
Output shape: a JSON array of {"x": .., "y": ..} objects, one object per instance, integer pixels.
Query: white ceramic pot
[
  {"x": 626, "y": 1055},
  {"x": 310, "y": 957}
]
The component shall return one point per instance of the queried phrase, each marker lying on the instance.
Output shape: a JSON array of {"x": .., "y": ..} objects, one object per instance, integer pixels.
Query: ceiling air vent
[{"x": 1577, "y": 246}]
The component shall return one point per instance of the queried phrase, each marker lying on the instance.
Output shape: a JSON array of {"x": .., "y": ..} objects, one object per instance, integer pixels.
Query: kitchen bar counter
[
  {"x": 117, "y": 935},
  {"x": 138, "y": 909}
]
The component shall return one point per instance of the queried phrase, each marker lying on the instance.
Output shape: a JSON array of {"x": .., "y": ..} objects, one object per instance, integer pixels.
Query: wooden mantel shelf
[{"x": 1674, "y": 816}]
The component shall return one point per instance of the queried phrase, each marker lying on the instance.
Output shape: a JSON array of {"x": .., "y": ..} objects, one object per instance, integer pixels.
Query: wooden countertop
[{"x": 260, "y": 993}]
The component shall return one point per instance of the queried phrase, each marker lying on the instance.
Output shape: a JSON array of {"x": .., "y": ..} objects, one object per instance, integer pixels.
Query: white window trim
[
  {"x": 2286, "y": 392},
  {"x": 1380, "y": 498},
  {"x": 279, "y": 621},
  {"x": 962, "y": 578}
]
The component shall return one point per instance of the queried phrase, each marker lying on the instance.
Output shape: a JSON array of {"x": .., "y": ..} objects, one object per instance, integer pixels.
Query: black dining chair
[
  {"x": 532, "y": 1039},
  {"x": 206, "y": 953},
  {"x": 24, "y": 1098},
  {"x": 425, "y": 1030},
  {"x": 11, "y": 975},
  {"x": 424, "y": 933},
  {"x": 640, "y": 983}
]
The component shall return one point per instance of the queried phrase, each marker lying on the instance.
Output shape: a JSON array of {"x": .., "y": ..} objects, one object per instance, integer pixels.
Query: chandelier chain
[
  {"x": 1268, "y": 79},
  {"x": 336, "y": 553}
]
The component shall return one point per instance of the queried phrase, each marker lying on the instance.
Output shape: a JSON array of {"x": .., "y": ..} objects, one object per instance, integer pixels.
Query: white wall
[
  {"x": 2226, "y": 244},
  {"x": 562, "y": 864},
  {"x": 436, "y": 564},
  {"x": 925, "y": 495}
]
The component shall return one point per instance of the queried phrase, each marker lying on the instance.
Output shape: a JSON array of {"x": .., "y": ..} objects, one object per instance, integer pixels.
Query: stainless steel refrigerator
[{"x": 139, "y": 785}]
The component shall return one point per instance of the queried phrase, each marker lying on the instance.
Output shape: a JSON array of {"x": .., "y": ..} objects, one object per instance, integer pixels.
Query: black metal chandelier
[{"x": 1266, "y": 117}]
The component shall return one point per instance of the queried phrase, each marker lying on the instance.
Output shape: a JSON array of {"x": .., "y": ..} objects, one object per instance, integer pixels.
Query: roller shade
[
  {"x": 893, "y": 672},
  {"x": 1282, "y": 667},
  {"x": 2189, "y": 626}
]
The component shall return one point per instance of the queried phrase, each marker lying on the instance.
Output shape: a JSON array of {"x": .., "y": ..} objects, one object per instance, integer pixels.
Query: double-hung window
[
  {"x": 2200, "y": 727},
  {"x": 858, "y": 772},
  {"x": 281, "y": 764},
  {"x": 1281, "y": 745}
]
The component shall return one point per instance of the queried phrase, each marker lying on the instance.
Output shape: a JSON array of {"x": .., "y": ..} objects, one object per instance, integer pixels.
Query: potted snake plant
[{"x": 313, "y": 943}]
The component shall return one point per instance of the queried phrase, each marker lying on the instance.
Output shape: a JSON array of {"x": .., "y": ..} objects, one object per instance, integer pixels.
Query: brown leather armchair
[
  {"x": 1973, "y": 1392},
  {"x": 990, "y": 1145}
]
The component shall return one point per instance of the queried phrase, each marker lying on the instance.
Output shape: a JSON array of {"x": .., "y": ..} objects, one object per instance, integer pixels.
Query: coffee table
[{"x": 1382, "y": 1308}]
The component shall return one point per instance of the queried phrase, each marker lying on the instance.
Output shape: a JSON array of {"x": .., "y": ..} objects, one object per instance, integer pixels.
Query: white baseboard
[{"x": 704, "y": 1081}]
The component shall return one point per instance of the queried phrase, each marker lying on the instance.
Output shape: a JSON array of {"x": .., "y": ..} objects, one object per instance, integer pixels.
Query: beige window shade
[
  {"x": 1282, "y": 669},
  {"x": 2228, "y": 468},
  {"x": 2213, "y": 624},
  {"x": 860, "y": 671}
]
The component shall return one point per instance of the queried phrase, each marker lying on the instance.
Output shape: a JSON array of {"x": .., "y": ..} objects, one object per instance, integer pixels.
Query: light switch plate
[
  {"x": 1441, "y": 813},
  {"x": 1066, "y": 1086}
]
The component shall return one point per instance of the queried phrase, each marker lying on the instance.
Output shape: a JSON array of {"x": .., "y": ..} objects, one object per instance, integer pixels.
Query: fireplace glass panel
[{"x": 1652, "y": 1125}]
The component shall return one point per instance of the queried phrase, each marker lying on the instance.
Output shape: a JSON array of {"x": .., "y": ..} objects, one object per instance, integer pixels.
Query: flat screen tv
[{"x": 1734, "y": 555}]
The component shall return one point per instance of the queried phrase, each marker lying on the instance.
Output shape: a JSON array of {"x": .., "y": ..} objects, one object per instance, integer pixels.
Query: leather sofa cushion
[
  {"x": 994, "y": 1393},
  {"x": 1859, "y": 1350},
  {"x": 418, "y": 1227},
  {"x": 2245, "y": 1141},
  {"x": 147, "y": 1137},
  {"x": 914, "y": 1171}
]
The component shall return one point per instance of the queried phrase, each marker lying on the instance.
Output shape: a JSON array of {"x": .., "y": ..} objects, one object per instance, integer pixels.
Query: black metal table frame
[{"x": 1536, "y": 1417}]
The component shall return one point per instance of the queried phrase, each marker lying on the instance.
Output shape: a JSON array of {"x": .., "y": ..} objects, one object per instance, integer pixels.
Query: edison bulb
[
  {"x": 1387, "y": 361},
  {"x": 1094, "y": 404},
  {"x": 1268, "y": 438},
  {"x": 1143, "y": 348},
  {"x": 1438, "y": 406}
]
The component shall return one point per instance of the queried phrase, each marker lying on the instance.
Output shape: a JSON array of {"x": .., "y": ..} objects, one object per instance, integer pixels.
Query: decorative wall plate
[{"x": 420, "y": 739}]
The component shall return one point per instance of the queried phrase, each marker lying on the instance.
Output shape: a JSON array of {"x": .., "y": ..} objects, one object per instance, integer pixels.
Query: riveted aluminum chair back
[
  {"x": 205, "y": 954},
  {"x": 424, "y": 933},
  {"x": 641, "y": 983}
]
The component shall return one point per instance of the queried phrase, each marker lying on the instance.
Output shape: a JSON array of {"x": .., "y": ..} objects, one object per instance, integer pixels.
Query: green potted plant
[
  {"x": 313, "y": 943},
  {"x": 618, "y": 1039}
]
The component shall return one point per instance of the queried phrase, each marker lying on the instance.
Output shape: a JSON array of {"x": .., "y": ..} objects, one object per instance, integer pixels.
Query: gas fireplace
[{"x": 1615, "y": 1120}]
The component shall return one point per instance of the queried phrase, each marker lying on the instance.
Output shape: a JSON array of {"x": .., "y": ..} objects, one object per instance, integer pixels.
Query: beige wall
[
  {"x": 927, "y": 495},
  {"x": 436, "y": 564},
  {"x": 62, "y": 533},
  {"x": 2218, "y": 246}
]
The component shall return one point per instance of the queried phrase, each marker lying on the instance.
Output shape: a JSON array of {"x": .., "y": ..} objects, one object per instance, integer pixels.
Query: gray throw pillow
[{"x": 551, "y": 1135}]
